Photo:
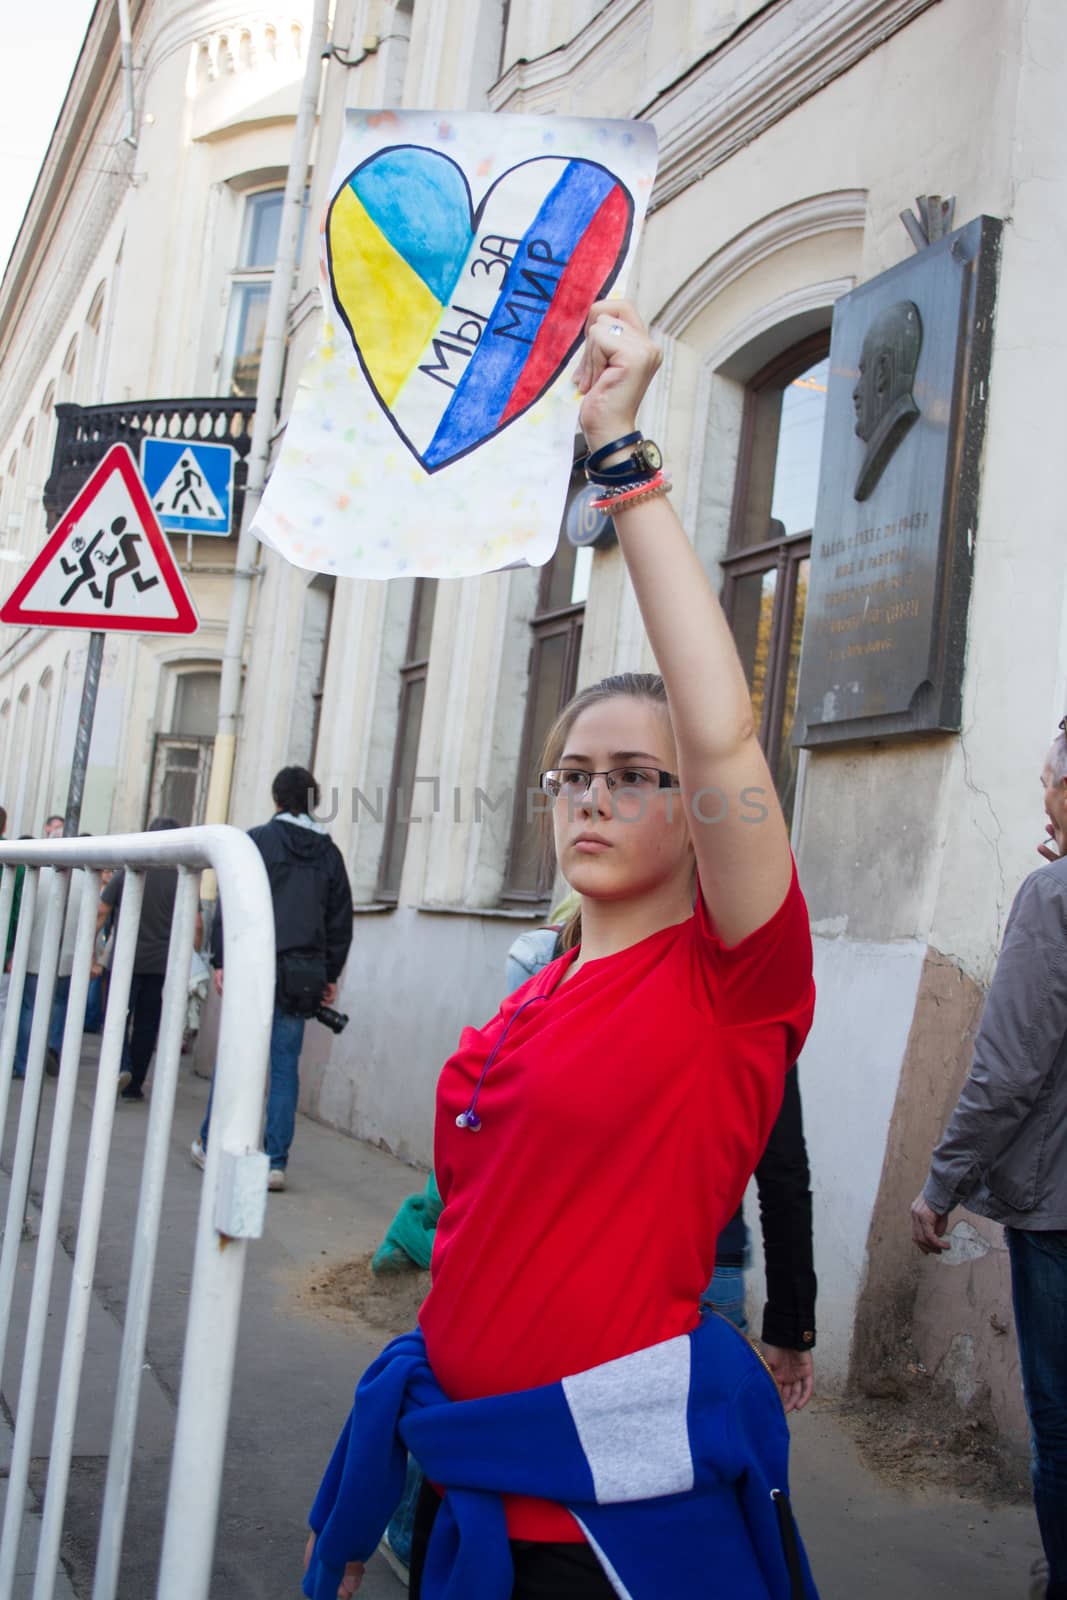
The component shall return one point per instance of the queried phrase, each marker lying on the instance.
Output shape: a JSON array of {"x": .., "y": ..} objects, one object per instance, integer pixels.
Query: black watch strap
[{"x": 595, "y": 457}]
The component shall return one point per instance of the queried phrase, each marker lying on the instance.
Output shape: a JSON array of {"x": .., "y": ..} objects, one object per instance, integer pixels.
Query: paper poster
[{"x": 432, "y": 430}]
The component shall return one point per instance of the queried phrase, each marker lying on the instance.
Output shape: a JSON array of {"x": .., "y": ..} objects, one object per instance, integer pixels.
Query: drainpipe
[
  {"x": 126, "y": 42},
  {"x": 268, "y": 395}
]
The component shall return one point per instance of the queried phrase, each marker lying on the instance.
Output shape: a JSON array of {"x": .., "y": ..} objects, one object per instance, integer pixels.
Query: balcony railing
[{"x": 86, "y": 433}]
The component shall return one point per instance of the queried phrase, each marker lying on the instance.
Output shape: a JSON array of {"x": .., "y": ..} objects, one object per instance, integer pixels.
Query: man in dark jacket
[
  {"x": 145, "y": 1006},
  {"x": 1004, "y": 1156},
  {"x": 312, "y": 930}
]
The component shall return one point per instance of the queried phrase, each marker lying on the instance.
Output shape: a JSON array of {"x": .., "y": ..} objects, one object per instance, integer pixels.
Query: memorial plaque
[{"x": 893, "y": 542}]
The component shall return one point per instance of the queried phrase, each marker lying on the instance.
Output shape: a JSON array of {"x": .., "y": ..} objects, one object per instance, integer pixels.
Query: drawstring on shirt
[{"x": 470, "y": 1118}]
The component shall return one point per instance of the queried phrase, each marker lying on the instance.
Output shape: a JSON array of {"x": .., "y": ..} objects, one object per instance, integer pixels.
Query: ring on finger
[{"x": 616, "y": 330}]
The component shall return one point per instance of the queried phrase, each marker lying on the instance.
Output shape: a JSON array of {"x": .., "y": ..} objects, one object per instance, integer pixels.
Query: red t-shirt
[{"x": 621, "y": 1121}]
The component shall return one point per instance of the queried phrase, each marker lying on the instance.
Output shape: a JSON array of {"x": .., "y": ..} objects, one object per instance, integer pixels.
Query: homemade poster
[{"x": 432, "y": 430}]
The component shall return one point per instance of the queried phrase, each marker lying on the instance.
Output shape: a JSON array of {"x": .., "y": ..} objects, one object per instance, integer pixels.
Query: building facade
[
  {"x": 792, "y": 135},
  {"x": 140, "y": 274}
]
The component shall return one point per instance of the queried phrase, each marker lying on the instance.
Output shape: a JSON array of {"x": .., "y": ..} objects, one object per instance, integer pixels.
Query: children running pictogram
[
  {"x": 124, "y": 549},
  {"x": 83, "y": 566},
  {"x": 131, "y": 560}
]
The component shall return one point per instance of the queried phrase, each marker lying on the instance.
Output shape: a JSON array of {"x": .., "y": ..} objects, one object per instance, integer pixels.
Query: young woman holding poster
[{"x": 595, "y": 1136}]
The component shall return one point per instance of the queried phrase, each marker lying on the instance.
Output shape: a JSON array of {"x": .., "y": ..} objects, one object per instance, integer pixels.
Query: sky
[{"x": 41, "y": 44}]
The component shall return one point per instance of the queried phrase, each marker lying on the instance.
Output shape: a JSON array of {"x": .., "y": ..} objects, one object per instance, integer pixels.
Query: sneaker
[
  {"x": 51, "y": 1062},
  {"x": 198, "y": 1155},
  {"x": 393, "y": 1561},
  {"x": 125, "y": 1079},
  {"x": 1038, "y": 1580},
  {"x": 276, "y": 1180},
  {"x": 132, "y": 1094}
]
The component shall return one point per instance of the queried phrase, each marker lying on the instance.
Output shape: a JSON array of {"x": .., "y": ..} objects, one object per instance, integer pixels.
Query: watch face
[{"x": 649, "y": 455}]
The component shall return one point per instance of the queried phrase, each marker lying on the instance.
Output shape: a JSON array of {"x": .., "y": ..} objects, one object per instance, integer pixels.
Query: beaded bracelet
[
  {"x": 623, "y": 499},
  {"x": 634, "y": 485}
]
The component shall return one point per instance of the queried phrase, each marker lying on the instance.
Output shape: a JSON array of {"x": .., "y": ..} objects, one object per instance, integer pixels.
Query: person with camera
[{"x": 313, "y": 931}]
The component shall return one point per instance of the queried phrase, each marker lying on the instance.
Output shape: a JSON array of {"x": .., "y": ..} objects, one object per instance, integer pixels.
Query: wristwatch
[{"x": 645, "y": 461}]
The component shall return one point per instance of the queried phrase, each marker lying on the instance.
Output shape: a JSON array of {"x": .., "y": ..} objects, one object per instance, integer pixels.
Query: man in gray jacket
[{"x": 1004, "y": 1155}]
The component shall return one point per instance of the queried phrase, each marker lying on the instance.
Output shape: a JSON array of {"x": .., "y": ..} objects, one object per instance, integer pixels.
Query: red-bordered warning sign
[{"x": 107, "y": 566}]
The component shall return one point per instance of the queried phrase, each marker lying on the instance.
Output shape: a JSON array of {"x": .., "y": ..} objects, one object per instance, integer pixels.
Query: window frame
[
  {"x": 414, "y": 670},
  {"x": 240, "y": 278},
  {"x": 783, "y": 555},
  {"x": 778, "y": 373},
  {"x": 545, "y": 624}
]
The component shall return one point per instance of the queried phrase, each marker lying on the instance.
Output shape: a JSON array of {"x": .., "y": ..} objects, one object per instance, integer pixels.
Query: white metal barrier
[{"x": 234, "y": 1193}]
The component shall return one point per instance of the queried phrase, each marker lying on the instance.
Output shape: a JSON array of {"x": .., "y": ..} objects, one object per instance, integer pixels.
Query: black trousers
[
  {"x": 142, "y": 1022},
  {"x": 542, "y": 1571}
]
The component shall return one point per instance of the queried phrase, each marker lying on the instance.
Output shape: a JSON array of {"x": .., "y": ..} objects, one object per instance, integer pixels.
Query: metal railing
[
  {"x": 232, "y": 1206},
  {"x": 84, "y": 434}
]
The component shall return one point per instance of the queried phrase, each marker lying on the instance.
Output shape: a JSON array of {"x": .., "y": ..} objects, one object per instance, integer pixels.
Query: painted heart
[{"x": 462, "y": 318}]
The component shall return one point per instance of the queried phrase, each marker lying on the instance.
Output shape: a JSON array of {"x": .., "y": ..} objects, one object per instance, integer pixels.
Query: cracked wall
[{"x": 953, "y": 1312}]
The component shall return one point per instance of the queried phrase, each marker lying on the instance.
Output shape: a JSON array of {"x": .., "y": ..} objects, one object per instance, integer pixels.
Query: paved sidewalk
[
  {"x": 26, "y": 1564},
  {"x": 296, "y": 1370}
]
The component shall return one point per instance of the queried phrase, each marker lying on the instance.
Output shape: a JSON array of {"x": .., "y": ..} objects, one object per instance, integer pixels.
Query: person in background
[
  {"x": 96, "y": 999},
  {"x": 1004, "y": 1156},
  {"x": 149, "y": 963},
  {"x": 61, "y": 994},
  {"x": 312, "y": 931}
]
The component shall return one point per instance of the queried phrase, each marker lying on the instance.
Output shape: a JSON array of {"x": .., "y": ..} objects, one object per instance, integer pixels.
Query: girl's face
[{"x": 617, "y": 842}]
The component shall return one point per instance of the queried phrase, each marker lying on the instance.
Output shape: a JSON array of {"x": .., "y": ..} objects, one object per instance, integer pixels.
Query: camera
[{"x": 336, "y": 1021}]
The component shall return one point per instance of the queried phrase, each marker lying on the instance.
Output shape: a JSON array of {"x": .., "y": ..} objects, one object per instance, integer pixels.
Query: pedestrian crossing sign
[
  {"x": 190, "y": 484},
  {"x": 107, "y": 565}
]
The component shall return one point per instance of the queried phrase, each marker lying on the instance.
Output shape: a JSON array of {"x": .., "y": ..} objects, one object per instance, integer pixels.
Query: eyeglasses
[{"x": 575, "y": 781}]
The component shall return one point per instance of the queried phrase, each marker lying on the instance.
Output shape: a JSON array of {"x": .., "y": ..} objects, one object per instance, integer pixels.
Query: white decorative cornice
[
  {"x": 820, "y": 213},
  {"x": 768, "y": 68},
  {"x": 530, "y": 86}
]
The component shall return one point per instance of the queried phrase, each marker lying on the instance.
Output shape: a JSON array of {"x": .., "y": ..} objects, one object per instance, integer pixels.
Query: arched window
[
  {"x": 15, "y": 776},
  {"x": 181, "y": 764},
  {"x": 5, "y": 733},
  {"x": 246, "y": 318},
  {"x": 67, "y": 375},
  {"x": 88, "y": 377},
  {"x": 7, "y": 495},
  {"x": 311, "y": 669},
  {"x": 17, "y": 514},
  {"x": 44, "y": 435},
  {"x": 37, "y": 779},
  {"x": 555, "y": 645},
  {"x": 413, "y": 673},
  {"x": 767, "y": 562}
]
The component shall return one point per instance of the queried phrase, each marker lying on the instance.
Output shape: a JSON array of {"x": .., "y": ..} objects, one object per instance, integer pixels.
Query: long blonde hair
[{"x": 634, "y": 685}]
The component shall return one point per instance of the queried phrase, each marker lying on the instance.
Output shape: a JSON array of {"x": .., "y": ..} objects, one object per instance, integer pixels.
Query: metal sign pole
[{"x": 83, "y": 737}]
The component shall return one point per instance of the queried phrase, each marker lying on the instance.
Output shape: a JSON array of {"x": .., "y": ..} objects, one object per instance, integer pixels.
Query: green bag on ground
[{"x": 409, "y": 1240}]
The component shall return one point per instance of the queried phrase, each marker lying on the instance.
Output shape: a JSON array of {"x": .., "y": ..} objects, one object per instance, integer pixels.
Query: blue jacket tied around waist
[{"x": 673, "y": 1460}]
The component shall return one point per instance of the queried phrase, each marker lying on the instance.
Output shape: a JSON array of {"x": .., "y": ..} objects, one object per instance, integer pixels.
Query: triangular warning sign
[
  {"x": 108, "y": 565},
  {"x": 185, "y": 492}
]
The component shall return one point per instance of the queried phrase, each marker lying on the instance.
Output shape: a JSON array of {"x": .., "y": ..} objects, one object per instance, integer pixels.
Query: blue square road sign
[{"x": 190, "y": 484}]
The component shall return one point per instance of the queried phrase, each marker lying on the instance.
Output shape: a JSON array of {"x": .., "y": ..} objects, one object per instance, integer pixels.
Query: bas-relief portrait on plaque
[{"x": 892, "y": 546}]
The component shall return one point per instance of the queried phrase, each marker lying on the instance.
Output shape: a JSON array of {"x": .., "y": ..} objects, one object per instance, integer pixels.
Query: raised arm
[{"x": 744, "y": 864}]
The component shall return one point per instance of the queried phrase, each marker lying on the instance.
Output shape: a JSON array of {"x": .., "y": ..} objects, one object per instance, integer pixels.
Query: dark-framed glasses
[{"x": 576, "y": 781}]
